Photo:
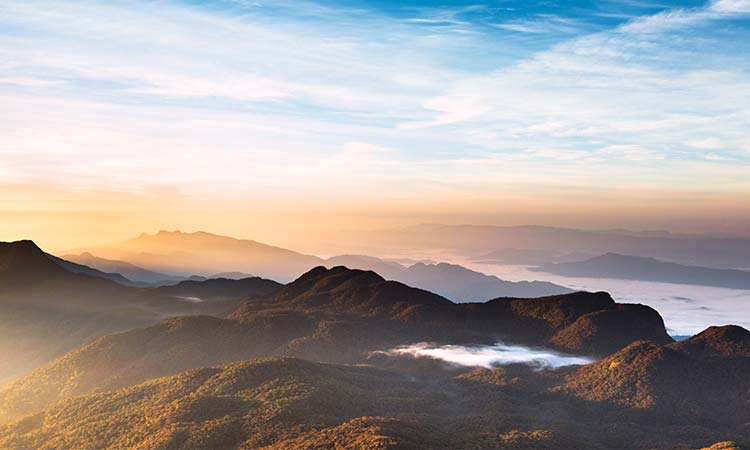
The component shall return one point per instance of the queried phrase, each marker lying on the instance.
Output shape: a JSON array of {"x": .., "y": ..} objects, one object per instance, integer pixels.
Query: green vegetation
[
  {"x": 337, "y": 315},
  {"x": 47, "y": 310},
  {"x": 280, "y": 403},
  {"x": 149, "y": 388}
]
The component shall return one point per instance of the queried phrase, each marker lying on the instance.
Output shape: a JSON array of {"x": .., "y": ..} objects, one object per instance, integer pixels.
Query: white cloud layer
[{"x": 490, "y": 355}]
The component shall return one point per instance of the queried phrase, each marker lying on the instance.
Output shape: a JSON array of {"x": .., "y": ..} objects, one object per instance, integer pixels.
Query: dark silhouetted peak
[
  {"x": 343, "y": 290},
  {"x": 603, "y": 332},
  {"x": 19, "y": 251},
  {"x": 342, "y": 275},
  {"x": 729, "y": 340},
  {"x": 312, "y": 275},
  {"x": 562, "y": 310},
  {"x": 23, "y": 261},
  {"x": 323, "y": 279},
  {"x": 220, "y": 288}
]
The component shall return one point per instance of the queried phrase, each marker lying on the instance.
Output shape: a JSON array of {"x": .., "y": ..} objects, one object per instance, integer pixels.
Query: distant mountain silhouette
[
  {"x": 203, "y": 254},
  {"x": 131, "y": 272},
  {"x": 530, "y": 257},
  {"x": 206, "y": 254},
  {"x": 22, "y": 261},
  {"x": 49, "y": 306},
  {"x": 218, "y": 289},
  {"x": 337, "y": 315},
  {"x": 92, "y": 272},
  {"x": 644, "y": 396},
  {"x": 628, "y": 267},
  {"x": 474, "y": 240},
  {"x": 449, "y": 280}
]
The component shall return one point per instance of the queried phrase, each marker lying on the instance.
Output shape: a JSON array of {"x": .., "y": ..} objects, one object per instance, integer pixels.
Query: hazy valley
[
  {"x": 369, "y": 224},
  {"x": 345, "y": 357}
]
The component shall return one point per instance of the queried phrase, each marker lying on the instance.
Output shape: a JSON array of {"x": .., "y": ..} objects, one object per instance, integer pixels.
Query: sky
[{"x": 277, "y": 120}]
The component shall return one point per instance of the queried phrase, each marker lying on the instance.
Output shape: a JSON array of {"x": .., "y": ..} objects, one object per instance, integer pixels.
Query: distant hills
[
  {"x": 227, "y": 372},
  {"x": 52, "y": 304},
  {"x": 336, "y": 315},
  {"x": 45, "y": 310},
  {"x": 82, "y": 269},
  {"x": 478, "y": 241},
  {"x": 450, "y": 280},
  {"x": 130, "y": 271},
  {"x": 645, "y": 396},
  {"x": 49, "y": 306},
  {"x": 530, "y": 257},
  {"x": 628, "y": 267},
  {"x": 200, "y": 253},
  {"x": 166, "y": 256}
]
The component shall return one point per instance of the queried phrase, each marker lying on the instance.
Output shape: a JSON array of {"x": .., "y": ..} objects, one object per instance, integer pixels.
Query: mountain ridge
[
  {"x": 615, "y": 265},
  {"x": 281, "y": 402},
  {"x": 453, "y": 281},
  {"x": 49, "y": 306},
  {"x": 181, "y": 254},
  {"x": 336, "y": 315},
  {"x": 473, "y": 241}
]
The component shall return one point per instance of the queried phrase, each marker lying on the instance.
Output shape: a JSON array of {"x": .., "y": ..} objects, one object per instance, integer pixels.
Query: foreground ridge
[
  {"x": 282, "y": 402},
  {"x": 336, "y": 315}
]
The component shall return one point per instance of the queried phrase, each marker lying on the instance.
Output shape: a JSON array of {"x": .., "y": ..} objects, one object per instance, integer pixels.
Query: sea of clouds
[{"x": 686, "y": 309}]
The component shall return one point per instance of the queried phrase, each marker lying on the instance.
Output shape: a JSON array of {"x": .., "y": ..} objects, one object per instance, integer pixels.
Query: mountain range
[
  {"x": 336, "y": 315},
  {"x": 49, "y": 306},
  {"x": 449, "y": 280},
  {"x": 251, "y": 363},
  {"x": 131, "y": 272},
  {"x": 629, "y": 267},
  {"x": 177, "y": 254},
  {"x": 477, "y": 241},
  {"x": 184, "y": 254},
  {"x": 668, "y": 393}
]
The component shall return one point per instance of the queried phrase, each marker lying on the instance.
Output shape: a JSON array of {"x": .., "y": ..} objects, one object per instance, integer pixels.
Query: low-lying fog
[
  {"x": 686, "y": 309},
  {"x": 490, "y": 355},
  {"x": 189, "y": 299}
]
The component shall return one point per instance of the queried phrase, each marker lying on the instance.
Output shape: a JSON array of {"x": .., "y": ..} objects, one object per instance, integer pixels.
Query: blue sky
[{"x": 429, "y": 106}]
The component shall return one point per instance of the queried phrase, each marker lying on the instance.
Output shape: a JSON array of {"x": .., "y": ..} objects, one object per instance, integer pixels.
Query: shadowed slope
[
  {"x": 337, "y": 315},
  {"x": 707, "y": 376},
  {"x": 729, "y": 340},
  {"x": 86, "y": 270},
  {"x": 49, "y": 306},
  {"x": 46, "y": 310},
  {"x": 23, "y": 261},
  {"x": 129, "y": 271},
  {"x": 281, "y": 403}
]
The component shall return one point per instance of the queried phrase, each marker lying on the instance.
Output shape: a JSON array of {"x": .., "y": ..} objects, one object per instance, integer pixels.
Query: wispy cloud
[
  {"x": 623, "y": 87},
  {"x": 277, "y": 98},
  {"x": 678, "y": 18},
  {"x": 543, "y": 23}
]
